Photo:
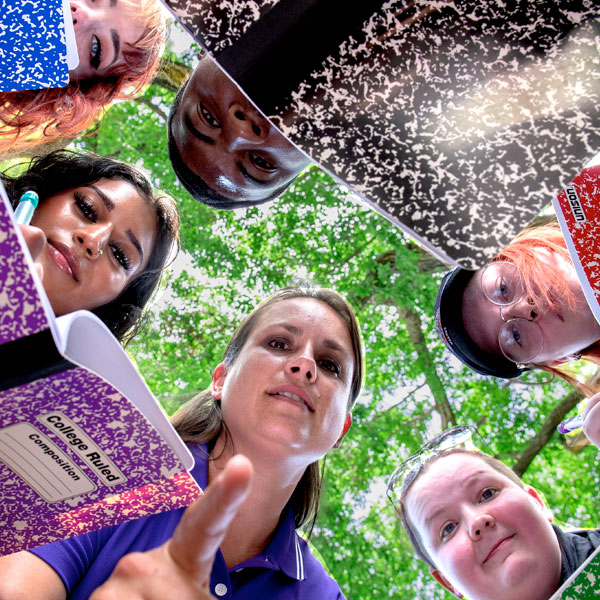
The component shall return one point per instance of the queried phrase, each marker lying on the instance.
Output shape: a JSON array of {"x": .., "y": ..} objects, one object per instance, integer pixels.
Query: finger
[
  {"x": 590, "y": 404},
  {"x": 204, "y": 524}
]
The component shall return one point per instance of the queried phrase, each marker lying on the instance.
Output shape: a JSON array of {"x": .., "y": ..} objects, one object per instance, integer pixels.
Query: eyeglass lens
[
  {"x": 520, "y": 340},
  {"x": 502, "y": 283}
]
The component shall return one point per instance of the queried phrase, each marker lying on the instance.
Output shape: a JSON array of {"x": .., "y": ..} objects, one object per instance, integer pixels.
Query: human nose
[
  {"x": 92, "y": 239},
  {"x": 522, "y": 309},
  {"x": 303, "y": 366},
  {"x": 245, "y": 126},
  {"x": 82, "y": 15},
  {"x": 478, "y": 523}
]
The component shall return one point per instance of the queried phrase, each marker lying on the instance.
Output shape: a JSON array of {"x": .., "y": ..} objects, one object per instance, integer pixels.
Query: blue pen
[{"x": 27, "y": 204}]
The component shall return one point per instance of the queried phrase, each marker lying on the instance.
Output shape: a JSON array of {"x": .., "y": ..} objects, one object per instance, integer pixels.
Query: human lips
[
  {"x": 64, "y": 259},
  {"x": 293, "y": 393},
  {"x": 496, "y": 547}
]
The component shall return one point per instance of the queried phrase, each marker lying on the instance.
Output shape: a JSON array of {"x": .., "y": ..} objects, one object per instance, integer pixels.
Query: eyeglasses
[
  {"x": 461, "y": 436},
  {"x": 520, "y": 340}
]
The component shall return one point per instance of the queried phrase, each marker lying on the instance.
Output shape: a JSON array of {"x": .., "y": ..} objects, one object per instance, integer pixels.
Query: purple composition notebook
[{"x": 83, "y": 443}]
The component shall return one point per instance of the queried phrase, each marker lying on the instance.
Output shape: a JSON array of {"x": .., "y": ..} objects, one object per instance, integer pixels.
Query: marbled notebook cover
[
  {"x": 75, "y": 456},
  {"x": 578, "y": 210},
  {"x": 584, "y": 584},
  {"x": 33, "y": 50},
  {"x": 21, "y": 310},
  {"x": 457, "y": 120}
]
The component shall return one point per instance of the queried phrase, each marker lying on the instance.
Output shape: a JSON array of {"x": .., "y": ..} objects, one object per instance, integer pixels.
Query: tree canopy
[{"x": 414, "y": 388}]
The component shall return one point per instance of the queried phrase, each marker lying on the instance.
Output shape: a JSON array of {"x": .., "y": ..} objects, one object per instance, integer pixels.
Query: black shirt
[{"x": 575, "y": 547}]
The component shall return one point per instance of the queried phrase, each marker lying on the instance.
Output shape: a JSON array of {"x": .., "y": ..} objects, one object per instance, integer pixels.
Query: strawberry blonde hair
[
  {"x": 32, "y": 117},
  {"x": 544, "y": 282}
]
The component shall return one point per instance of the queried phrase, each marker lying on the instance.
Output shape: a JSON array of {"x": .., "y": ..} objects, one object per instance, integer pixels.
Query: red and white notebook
[{"x": 577, "y": 208}]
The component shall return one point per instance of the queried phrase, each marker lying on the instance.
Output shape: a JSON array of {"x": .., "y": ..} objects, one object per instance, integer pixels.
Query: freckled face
[
  {"x": 97, "y": 238},
  {"x": 225, "y": 140},
  {"x": 287, "y": 392},
  {"x": 491, "y": 539}
]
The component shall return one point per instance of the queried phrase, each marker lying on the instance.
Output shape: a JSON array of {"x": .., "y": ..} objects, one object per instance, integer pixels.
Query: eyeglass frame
[
  {"x": 523, "y": 363},
  {"x": 428, "y": 449}
]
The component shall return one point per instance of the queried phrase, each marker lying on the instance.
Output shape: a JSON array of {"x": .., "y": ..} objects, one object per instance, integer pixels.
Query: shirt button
[{"x": 220, "y": 589}]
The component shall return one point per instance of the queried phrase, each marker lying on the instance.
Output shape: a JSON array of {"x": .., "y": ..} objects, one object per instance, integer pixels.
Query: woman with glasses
[{"x": 524, "y": 310}]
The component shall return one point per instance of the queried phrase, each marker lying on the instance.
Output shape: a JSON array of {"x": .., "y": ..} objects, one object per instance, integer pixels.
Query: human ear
[
  {"x": 347, "y": 424},
  {"x": 439, "y": 577},
  {"x": 218, "y": 380},
  {"x": 540, "y": 501}
]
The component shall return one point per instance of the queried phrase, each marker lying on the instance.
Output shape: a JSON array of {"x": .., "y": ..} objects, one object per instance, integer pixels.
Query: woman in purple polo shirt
[{"x": 282, "y": 397}]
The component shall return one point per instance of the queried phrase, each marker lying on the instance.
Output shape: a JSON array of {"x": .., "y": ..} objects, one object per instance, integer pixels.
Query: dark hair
[
  {"x": 62, "y": 170},
  {"x": 200, "y": 419},
  {"x": 195, "y": 185},
  {"x": 413, "y": 536}
]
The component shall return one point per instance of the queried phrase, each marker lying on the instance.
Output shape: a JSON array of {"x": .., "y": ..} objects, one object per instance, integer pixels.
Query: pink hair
[
  {"x": 545, "y": 283},
  {"x": 32, "y": 117}
]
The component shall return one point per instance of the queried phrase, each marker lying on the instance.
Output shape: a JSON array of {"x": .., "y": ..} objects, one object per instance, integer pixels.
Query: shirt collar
[
  {"x": 285, "y": 551},
  {"x": 287, "y": 548}
]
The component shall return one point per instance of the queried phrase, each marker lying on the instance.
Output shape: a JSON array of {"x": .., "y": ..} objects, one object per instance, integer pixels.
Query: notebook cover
[
  {"x": 33, "y": 48},
  {"x": 577, "y": 208}
]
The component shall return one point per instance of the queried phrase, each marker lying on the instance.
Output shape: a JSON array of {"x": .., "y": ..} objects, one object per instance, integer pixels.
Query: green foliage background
[{"x": 319, "y": 231}]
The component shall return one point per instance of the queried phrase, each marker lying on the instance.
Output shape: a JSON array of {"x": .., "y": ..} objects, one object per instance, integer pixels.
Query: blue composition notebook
[{"x": 33, "y": 46}]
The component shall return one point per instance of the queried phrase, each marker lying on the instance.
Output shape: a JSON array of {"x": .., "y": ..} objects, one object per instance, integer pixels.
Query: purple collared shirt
[{"x": 284, "y": 570}]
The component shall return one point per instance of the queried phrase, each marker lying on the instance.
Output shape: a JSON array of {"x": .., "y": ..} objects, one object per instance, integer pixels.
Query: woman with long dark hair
[{"x": 100, "y": 237}]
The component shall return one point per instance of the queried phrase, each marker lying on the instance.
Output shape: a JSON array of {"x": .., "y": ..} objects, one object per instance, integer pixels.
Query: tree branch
[
  {"x": 415, "y": 333},
  {"x": 549, "y": 427},
  {"x": 358, "y": 251},
  {"x": 404, "y": 400}
]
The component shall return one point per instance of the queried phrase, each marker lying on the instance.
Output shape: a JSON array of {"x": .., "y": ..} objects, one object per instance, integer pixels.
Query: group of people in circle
[{"x": 283, "y": 394}]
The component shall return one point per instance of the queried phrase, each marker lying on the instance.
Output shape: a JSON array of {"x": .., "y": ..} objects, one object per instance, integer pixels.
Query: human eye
[
  {"x": 85, "y": 206},
  {"x": 120, "y": 256},
  {"x": 95, "y": 52},
  {"x": 279, "y": 344},
  {"x": 330, "y": 365},
  {"x": 487, "y": 494},
  {"x": 447, "y": 530},
  {"x": 516, "y": 335},
  {"x": 260, "y": 162},
  {"x": 504, "y": 289},
  {"x": 208, "y": 117}
]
